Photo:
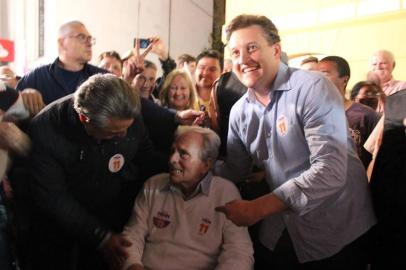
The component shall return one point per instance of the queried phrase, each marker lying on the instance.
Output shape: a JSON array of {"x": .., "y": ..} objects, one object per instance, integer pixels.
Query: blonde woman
[{"x": 178, "y": 92}]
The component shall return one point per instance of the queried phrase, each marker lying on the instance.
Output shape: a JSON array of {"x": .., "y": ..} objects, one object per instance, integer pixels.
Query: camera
[{"x": 144, "y": 42}]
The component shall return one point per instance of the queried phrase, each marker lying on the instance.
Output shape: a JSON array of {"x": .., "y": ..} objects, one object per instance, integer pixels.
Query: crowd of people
[{"x": 257, "y": 166}]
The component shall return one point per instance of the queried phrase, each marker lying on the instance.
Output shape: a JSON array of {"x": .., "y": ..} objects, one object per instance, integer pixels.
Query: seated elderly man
[{"x": 174, "y": 225}]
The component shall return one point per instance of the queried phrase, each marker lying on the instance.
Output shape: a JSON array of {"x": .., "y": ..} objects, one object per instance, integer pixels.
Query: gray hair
[
  {"x": 105, "y": 96},
  {"x": 65, "y": 28},
  {"x": 211, "y": 141}
]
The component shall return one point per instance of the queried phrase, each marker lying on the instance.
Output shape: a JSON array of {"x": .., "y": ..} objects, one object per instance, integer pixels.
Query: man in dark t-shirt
[{"x": 361, "y": 119}]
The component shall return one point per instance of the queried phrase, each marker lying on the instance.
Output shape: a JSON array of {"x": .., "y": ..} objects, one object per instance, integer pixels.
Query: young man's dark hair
[
  {"x": 310, "y": 59},
  {"x": 211, "y": 54},
  {"x": 343, "y": 67},
  {"x": 185, "y": 58}
]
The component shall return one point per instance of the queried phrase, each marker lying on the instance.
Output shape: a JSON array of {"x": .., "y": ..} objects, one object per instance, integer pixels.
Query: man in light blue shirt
[{"x": 292, "y": 124}]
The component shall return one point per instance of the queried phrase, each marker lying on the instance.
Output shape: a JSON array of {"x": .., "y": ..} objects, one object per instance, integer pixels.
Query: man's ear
[
  {"x": 394, "y": 64},
  {"x": 209, "y": 163},
  {"x": 83, "y": 118},
  {"x": 60, "y": 42},
  {"x": 278, "y": 49}
]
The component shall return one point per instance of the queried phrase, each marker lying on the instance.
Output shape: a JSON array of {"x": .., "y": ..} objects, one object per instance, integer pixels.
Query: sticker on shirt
[
  {"x": 161, "y": 220},
  {"x": 116, "y": 162},
  {"x": 204, "y": 226},
  {"x": 282, "y": 126}
]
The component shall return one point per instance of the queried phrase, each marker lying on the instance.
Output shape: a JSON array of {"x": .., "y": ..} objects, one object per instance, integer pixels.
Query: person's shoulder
[
  {"x": 224, "y": 186},
  {"x": 364, "y": 109},
  {"x": 36, "y": 74},
  {"x": 54, "y": 112},
  {"x": 241, "y": 103},
  {"x": 158, "y": 181},
  {"x": 298, "y": 75},
  {"x": 95, "y": 70}
]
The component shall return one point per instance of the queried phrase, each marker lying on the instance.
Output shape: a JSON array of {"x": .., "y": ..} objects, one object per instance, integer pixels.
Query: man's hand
[
  {"x": 256, "y": 177},
  {"x": 135, "y": 64},
  {"x": 247, "y": 213},
  {"x": 13, "y": 139},
  {"x": 138, "y": 82},
  {"x": 189, "y": 117},
  {"x": 32, "y": 100},
  {"x": 159, "y": 48},
  {"x": 115, "y": 250},
  {"x": 240, "y": 212},
  {"x": 135, "y": 267}
]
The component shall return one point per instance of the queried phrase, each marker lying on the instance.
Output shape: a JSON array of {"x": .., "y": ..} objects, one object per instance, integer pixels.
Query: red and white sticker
[
  {"x": 116, "y": 162},
  {"x": 282, "y": 125},
  {"x": 204, "y": 226}
]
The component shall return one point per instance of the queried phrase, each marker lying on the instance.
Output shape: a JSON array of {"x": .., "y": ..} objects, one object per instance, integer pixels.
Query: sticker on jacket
[{"x": 116, "y": 162}]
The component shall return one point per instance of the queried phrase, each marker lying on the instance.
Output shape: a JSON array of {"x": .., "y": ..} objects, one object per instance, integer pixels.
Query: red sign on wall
[{"x": 6, "y": 50}]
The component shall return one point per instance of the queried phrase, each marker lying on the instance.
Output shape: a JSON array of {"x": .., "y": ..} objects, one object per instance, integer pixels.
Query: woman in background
[{"x": 178, "y": 91}]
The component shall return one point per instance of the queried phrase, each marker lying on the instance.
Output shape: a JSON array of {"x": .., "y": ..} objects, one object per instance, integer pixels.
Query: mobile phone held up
[{"x": 144, "y": 42}]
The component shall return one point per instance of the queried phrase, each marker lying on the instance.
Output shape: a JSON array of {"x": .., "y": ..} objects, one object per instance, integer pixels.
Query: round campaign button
[{"x": 116, "y": 162}]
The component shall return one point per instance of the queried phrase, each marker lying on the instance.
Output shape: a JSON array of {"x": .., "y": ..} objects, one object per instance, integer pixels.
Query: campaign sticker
[
  {"x": 160, "y": 223},
  {"x": 282, "y": 125},
  {"x": 116, "y": 162}
]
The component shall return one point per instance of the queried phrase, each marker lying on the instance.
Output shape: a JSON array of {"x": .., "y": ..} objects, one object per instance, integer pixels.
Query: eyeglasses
[{"x": 83, "y": 39}]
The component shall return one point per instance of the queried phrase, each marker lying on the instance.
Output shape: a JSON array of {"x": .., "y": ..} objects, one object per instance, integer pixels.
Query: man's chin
[{"x": 249, "y": 83}]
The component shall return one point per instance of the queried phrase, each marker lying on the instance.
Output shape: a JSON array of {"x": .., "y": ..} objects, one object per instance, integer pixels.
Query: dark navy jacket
[{"x": 49, "y": 82}]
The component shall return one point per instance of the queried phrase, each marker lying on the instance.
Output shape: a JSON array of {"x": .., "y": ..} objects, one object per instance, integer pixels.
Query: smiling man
[
  {"x": 208, "y": 70},
  {"x": 90, "y": 150},
  {"x": 174, "y": 224},
  {"x": 292, "y": 124}
]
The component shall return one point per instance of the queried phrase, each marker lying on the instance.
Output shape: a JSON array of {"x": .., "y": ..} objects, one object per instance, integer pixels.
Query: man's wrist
[
  {"x": 177, "y": 118},
  {"x": 105, "y": 239},
  {"x": 164, "y": 57}
]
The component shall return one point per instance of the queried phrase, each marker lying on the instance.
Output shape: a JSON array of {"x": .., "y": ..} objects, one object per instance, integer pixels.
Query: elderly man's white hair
[
  {"x": 211, "y": 141},
  {"x": 388, "y": 54},
  {"x": 65, "y": 28}
]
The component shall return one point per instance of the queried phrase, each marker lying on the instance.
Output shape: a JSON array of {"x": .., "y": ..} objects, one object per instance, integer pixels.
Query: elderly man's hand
[{"x": 32, "y": 100}]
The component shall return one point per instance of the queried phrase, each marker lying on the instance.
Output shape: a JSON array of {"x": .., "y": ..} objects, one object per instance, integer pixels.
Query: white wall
[{"x": 185, "y": 27}]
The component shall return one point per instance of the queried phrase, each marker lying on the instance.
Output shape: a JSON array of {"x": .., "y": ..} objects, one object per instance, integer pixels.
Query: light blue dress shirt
[{"x": 302, "y": 142}]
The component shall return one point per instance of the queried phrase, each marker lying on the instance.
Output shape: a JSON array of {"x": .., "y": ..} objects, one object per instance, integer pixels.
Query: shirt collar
[
  {"x": 203, "y": 187},
  {"x": 281, "y": 82},
  {"x": 389, "y": 83}
]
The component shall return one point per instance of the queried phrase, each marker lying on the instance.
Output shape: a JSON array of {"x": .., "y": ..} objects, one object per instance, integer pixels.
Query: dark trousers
[{"x": 354, "y": 256}]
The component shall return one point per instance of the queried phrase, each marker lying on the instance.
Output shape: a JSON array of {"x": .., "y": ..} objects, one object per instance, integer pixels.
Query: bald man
[
  {"x": 50, "y": 82},
  {"x": 382, "y": 65}
]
